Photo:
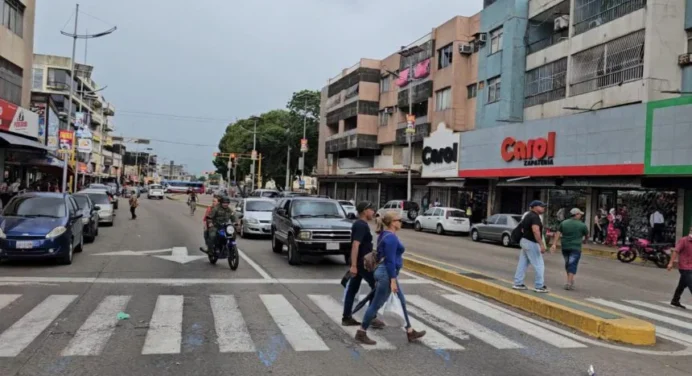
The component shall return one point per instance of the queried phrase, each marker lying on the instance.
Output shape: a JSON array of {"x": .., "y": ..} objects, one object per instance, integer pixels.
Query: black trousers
[
  {"x": 354, "y": 286},
  {"x": 132, "y": 211},
  {"x": 657, "y": 233},
  {"x": 684, "y": 282}
]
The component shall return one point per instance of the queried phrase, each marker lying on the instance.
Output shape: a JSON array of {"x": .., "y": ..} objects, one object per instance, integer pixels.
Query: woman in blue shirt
[{"x": 389, "y": 254}]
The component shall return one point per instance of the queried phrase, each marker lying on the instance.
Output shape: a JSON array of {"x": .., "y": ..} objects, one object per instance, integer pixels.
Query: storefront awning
[
  {"x": 21, "y": 141},
  {"x": 447, "y": 184}
]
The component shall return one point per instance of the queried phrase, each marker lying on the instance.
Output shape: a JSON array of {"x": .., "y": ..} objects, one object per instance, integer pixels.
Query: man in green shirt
[{"x": 572, "y": 232}]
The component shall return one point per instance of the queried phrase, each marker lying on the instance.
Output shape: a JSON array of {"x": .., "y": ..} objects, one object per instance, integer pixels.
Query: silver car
[
  {"x": 349, "y": 207},
  {"x": 256, "y": 216},
  {"x": 496, "y": 228},
  {"x": 100, "y": 198}
]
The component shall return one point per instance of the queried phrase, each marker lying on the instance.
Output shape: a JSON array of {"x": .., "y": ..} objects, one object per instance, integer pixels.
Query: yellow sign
[
  {"x": 109, "y": 141},
  {"x": 96, "y": 137}
]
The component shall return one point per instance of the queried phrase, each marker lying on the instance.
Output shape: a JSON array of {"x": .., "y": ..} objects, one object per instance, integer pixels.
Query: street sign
[
  {"x": 303, "y": 145},
  {"x": 410, "y": 124}
]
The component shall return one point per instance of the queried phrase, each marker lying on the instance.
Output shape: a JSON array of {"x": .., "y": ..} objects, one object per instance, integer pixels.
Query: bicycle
[{"x": 193, "y": 206}]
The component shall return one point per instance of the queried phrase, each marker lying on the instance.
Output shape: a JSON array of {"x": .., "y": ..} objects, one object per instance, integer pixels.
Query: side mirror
[
  {"x": 485, "y": 221},
  {"x": 281, "y": 211},
  {"x": 351, "y": 216}
]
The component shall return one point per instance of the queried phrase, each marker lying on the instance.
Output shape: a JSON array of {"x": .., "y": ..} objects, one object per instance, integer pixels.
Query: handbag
[{"x": 370, "y": 261}]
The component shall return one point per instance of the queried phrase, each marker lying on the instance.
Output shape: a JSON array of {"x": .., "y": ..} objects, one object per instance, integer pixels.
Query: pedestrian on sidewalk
[
  {"x": 683, "y": 251},
  {"x": 134, "y": 203},
  {"x": 613, "y": 231},
  {"x": 361, "y": 245},
  {"x": 657, "y": 222},
  {"x": 389, "y": 255},
  {"x": 532, "y": 248},
  {"x": 572, "y": 232},
  {"x": 597, "y": 229}
]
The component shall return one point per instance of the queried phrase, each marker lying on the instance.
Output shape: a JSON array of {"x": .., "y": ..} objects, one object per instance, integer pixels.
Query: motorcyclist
[
  {"x": 205, "y": 227},
  {"x": 218, "y": 216},
  {"x": 191, "y": 196}
]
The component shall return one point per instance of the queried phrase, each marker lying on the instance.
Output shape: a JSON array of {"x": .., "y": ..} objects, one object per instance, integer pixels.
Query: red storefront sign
[
  {"x": 535, "y": 149},
  {"x": 18, "y": 120}
]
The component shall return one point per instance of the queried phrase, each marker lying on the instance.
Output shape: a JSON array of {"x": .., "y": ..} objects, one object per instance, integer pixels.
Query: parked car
[
  {"x": 41, "y": 225},
  {"x": 496, "y": 228},
  {"x": 111, "y": 196},
  {"x": 256, "y": 216},
  {"x": 106, "y": 212},
  {"x": 143, "y": 189},
  {"x": 407, "y": 210},
  {"x": 90, "y": 216},
  {"x": 268, "y": 193},
  {"x": 311, "y": 226},
  {"x": 349, "y": 207},
  {"x": 155, "y": 191},
  {"x": 293, "y": 194},
  {"x": 443, "y": 220}
]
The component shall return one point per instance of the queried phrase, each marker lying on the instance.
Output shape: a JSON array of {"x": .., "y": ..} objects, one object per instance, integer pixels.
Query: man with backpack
[{"x": 532, "y": 247}]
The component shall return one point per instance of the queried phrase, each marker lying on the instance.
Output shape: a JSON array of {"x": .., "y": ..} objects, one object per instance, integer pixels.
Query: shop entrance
[{"x": 511, "y": 199}]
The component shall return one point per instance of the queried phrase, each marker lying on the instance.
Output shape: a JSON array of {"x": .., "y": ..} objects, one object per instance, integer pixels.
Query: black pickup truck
[{"x": 311, "y": 226}]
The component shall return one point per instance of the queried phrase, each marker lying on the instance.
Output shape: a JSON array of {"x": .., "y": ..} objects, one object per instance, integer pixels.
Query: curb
[
  {"x": 621, "y": 328},
  {"x": 613, "y": 255}
]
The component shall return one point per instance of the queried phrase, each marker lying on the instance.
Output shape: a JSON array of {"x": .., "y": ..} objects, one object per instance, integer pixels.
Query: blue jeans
[
  {"x": 382, "y": 292},
  {"x": 530, "y": 255},
  {"x": 572, "y": 257}
]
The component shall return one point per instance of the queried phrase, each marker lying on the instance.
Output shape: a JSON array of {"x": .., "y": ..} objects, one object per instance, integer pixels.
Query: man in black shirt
[
  {"x": 532, "y": 248},
  {"x": 361, "y": 245}
]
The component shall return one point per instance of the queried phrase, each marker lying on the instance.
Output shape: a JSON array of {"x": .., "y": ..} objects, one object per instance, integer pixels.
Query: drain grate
[{"x": 477, "y": 276}]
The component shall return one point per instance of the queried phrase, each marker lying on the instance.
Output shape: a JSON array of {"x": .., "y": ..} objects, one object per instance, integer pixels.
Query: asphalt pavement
[{"x": 187, "y": 317}]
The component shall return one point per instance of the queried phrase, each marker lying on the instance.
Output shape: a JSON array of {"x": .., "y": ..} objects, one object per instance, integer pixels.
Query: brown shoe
[
  {"x": 349, "y": 321},
  {"x": 377, "y": 324},
  {"x": 362, "y": 337},
  {"x": 414, "y": 335}
]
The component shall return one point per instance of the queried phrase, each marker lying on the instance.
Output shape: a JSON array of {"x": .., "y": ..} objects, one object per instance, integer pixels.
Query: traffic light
[{"x": 216, "y": 154}]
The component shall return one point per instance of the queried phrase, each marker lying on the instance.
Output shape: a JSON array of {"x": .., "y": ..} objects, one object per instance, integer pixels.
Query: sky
[{"x": 200, "y": 67}]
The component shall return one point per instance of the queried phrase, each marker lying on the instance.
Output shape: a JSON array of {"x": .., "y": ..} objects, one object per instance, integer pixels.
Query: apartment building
[
  {"x": 363, "y": 144},
  {"x": 16, "y": 50},
  {"x": 594, "y": 117}
]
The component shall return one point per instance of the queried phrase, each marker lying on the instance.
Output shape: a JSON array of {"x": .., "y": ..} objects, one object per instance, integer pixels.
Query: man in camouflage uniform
[{"x": 218, "y": 216}]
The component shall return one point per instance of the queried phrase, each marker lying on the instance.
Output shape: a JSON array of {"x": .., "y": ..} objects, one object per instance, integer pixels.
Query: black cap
[{"x": 364, "y": 205}]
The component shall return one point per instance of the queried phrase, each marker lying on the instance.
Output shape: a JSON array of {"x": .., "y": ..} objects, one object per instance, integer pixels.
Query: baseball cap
[
  {"x": 364, "y": 205},
  {"x": 576, "y": 211},
  {"x": 535, "y": 203}
]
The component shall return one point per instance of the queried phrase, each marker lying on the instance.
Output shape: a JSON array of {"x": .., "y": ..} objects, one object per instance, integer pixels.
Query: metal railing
[
  {"x": 606, "y": 80},
  {"x": 547, "y": 42},
  {"x": 593, "y": 13}
]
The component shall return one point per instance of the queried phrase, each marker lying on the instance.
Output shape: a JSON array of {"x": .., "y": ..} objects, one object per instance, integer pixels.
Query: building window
[
  {"x": 59, "y": 79},
  {"x": 589, "y": 14},
  {"x": 618, "y": 61},
  {"x": 494, "y": 89},
  {"x": 37, "y": 79},
  {"x": 444, "y": 56},
  {"x": 10, "y": 82},
  {"x": 545, "y": 83},
  {"x": 472, "y": 90},
  {"x": 12, "y": 12},
  {"x": 384, "y": 116},
  {"x": 385, "y": 83},
  {"x": 443, "y": 99},
  {"x": 496, "y": 40}
]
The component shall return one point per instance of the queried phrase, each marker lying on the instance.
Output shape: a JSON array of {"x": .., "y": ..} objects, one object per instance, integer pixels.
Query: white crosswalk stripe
[
  {"x": 7, "y": 299},
  {"x": 297, "y": 332},
  {"x": 25, "y": 331},
  {"x": 92, "y": 337},
  {"x": 655, "y": 307},
  {"x": 165, "y": 328},
  {"x": 231, "y": 331},
  {"x": 642, "y": 313}
]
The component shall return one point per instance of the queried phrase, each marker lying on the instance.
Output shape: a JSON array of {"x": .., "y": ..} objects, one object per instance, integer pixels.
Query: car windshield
[
  {"x": 155, "y": 187},
  {"x": 99, "y": 198},
  {"x": 329, "y": 209},
  {"x": 98, "y": 186},
  {"x": 456, "y": 214},
  {"x": 34, "y": 206},
  {"x": 269, "y": 194},
  {"x": 346, "y": 203},
  {"x": 81, "y": 201},
  {"x": 259, "y": 206}
]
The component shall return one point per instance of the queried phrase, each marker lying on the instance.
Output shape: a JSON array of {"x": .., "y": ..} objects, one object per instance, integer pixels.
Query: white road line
[
  {"x": 515, "y": 322},
  {"x": 165, "y": 328},
  {"x": 297, "y": 332},
  {"x": 93, "y": 335},
  {"x": 479, "y": 331},
  {"x": 334, "y": 311},
  {"x": 231, "y": 331},
  {"x": 187, "y": 281},
  {"x": 254, "y": 265},
  {"x": 641, "y": 312},
  {"x": 668, "y": 310},
  {"x": 17, "y": 337},
  {"x": 7, "y": 299}
]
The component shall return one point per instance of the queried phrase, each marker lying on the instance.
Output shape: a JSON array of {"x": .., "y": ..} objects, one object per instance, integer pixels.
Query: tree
[
  {"x": 276, "y": 131},
  {"x": 202, "y": 178}
]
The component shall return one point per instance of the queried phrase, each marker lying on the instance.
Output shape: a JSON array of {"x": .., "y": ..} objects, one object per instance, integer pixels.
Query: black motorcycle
[{"x": 225, "y": 247}]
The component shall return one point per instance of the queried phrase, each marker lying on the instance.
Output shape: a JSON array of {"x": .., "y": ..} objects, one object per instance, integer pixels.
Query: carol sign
[{"x": 441, "y": 153}]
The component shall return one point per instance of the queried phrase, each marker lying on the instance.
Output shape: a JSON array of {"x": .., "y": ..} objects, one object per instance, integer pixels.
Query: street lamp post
[{"x": 254, "y": 153}]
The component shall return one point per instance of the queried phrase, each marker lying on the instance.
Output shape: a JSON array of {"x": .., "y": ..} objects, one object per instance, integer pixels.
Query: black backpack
[{"x": 518, "y": 232}]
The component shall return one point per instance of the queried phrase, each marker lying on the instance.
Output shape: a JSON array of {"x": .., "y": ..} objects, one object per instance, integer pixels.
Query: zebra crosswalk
[{"x": 454, "y": 322}]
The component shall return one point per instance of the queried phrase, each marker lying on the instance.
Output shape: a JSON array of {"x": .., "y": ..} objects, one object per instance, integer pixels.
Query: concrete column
[
  {"x": 379, "y": 195},
  {"x": 355, "y": 192},
  {"x": 335, "y": 195},
  {"x": 494, "y": 197},
  {"x": 588, "y": 211}
]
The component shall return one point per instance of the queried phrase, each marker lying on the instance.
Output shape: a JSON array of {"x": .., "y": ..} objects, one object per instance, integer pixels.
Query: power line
[{"x": 173, "y": 116}]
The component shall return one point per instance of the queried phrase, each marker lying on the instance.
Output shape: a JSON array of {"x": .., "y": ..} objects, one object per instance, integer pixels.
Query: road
[{"x": 188, "y": 317}]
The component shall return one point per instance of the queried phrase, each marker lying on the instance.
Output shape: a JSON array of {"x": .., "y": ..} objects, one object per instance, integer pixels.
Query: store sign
[
  {"x": 441, "y": 153},
  {"x": 53, "y": 128},
  {"x": 66, "y": 140},
  {"x": 535, "y": 152},
  {"x": 84, "y": 145},
  {"x": 18, "y": 120}
]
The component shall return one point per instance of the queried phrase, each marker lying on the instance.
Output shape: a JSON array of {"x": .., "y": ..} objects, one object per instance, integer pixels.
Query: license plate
[
  {"x": 27, "y": 244},
  {"x": 332, "y": 246}
]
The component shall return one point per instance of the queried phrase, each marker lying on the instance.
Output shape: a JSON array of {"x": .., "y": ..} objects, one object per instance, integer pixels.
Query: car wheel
[
  {"x": 474, "y": 236},
  {"x": 67, "y": 259},
  {"x": 417, "y": 226},
  {"x": 506, "y": 241},
  {"x": 277, "y": 247},
  {"x": 439, "y": 229},
  {"x": 96, "y": 230},
  {"x": 293, "y": 254}
]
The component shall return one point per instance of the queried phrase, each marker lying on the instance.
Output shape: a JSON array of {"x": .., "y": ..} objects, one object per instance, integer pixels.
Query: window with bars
[
  {"x": 612, "y": 63},
  {"x": 494, "y": 89},
  {"x": 384, "y": 116},
  {"x": 385, "y": 84},
  {"x": 443, "y": 99},
  {"x": 12, "y": 13},
  {"x": 37, "y": 79},
  {"x": 496, "y": 40},
  {"x": 10, "y": 81},
  {"x": 589, "y": 14},
  {"x": 472, "y": 90},
  {"x": 545, "y": 83},
  {"x": 444, "y": 56}
]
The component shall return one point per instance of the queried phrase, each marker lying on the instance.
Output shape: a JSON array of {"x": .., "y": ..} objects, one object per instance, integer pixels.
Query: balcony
[
  {"x": 421, "y": 93},
  {"x": 589, "y": 14},
  {"x": 57, "y": 85},
  {"x": 351, "y": 140},
  {"x": 422, "y": 131},
  {"x": 547, "y": 42}
]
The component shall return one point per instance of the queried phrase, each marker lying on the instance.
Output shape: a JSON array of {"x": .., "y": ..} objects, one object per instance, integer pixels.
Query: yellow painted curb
[{"x": 625, "y": 329}]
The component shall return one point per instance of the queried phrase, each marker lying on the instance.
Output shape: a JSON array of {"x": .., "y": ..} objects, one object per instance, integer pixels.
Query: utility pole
[
  {"x": 254, "y": 155},
  {"x": 410, "y": 130},
  {"x": 288, "y": 168},
  {"x": 305, "y": 121},
  {"x": 69, "y": 101}
]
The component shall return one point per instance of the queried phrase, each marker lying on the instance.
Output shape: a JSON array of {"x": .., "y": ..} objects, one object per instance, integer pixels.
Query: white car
[
  {"x": 443, "y": 220},
  {"x": 256, "y": 216},
  {"x": 155, "y": 191},
  {"x": 349, "y": 208},
  {"x": 100, "y": 198}
]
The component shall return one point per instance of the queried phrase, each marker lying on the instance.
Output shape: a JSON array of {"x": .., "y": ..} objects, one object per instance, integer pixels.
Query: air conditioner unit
[
  {"x": 388, "y": 110},
  {"x": 562, "y": 22},
  {"x": 465, "y": 49},
  {"x": 482, "y": 38}
]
